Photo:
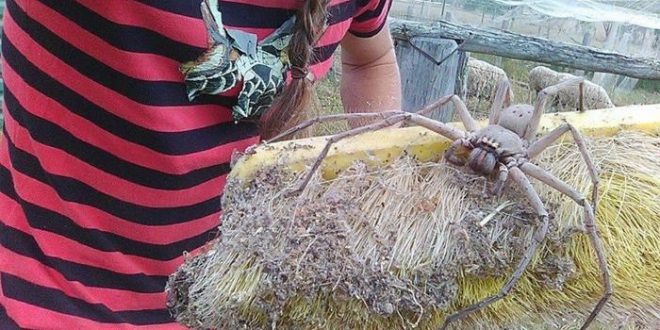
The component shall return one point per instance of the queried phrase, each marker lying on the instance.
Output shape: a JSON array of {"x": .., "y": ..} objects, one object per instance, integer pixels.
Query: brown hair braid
[{"x": 292, "y": 105}]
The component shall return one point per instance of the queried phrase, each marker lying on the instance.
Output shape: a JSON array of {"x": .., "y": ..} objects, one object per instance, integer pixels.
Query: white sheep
[
  {"x": 595, "y": 96},
  {"x": 482, "y": 79}
]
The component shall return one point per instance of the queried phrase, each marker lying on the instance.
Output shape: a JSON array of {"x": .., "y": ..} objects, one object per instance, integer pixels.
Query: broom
[{"x": 402, "y": 246}]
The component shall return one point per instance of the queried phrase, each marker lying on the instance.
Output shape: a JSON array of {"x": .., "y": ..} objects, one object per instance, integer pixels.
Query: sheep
[
  {"x": 595, "y": 96},
  {"x": 482, "y": 79}
]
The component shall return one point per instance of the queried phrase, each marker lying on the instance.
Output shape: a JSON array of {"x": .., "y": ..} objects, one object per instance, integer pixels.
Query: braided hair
[{"x": 291, "y": 106}]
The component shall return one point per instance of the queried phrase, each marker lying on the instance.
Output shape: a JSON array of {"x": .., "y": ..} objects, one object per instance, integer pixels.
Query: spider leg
[
  {"x": 590, "y": 224},
  {"x": 443, "y": 129},
  {"x": 467, "y": 119},
  {"x": 542, "y": 99},
  {"x": 502, "y": 176},
  {"x": 541, "y": 144},
  {"x": 395, "y": 118},
  {"x": 470, "y": 124},
  {"x": 581, "y": 97},
  {"x": 388, "y": 121},
  {"x": 503, "y": 97},
  {"x": 331, "y": 118},
  {"x": 539, "y": 234}
]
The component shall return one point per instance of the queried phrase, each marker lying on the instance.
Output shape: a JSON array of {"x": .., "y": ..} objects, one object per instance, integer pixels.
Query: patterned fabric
[
  {"x": 108, "y": 173},
  {"x": 234, "y": 56}
]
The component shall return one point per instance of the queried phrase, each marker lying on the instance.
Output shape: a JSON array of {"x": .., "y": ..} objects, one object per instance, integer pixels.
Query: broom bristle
[{"x": 403, "y": 245}]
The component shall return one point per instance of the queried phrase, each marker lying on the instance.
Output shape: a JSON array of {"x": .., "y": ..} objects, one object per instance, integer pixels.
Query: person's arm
[{"x": 370, "y": 74}]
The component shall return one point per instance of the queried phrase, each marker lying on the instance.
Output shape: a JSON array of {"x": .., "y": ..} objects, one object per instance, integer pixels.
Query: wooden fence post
[
  {"x": 586, "y": 41},
  {"x": 423, "y": 80},
  {"x": 517, "y": 46}
]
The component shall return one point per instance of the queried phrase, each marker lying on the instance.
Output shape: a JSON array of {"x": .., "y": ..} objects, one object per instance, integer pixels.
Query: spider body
[
  {"x": 516, "y": 118},
  {"x": 502, "y": 151},
  {"x": 486, "y": 148},
  {"x": 500, "y": 143},
  {"x": 483, "y": 158}
]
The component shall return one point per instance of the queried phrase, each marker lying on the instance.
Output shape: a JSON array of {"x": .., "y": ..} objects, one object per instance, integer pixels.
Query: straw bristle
[{"x": 401, "y": 246}]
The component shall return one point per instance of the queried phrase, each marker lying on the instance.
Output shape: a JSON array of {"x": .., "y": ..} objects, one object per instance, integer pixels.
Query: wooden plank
[
  {"x": 522, "y": 47},
  {"x": 423, "y": 80}
]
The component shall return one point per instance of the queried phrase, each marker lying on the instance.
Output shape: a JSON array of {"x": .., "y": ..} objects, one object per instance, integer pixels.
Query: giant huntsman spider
[{"x": 502, "y": 150}]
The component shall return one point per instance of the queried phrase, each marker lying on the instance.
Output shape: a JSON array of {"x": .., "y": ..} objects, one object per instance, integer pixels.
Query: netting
[
  {"x": 639, "y": 13},
  {"x": 595, "y": 23},
  {"x": 628, "y": 27}
]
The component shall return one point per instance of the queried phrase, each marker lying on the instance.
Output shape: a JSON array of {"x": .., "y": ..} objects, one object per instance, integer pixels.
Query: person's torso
[{"x": 108, "y": 173}]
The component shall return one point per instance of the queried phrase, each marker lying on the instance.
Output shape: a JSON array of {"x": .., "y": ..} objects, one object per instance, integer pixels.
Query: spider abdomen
[{"x": 516, "y": 118}]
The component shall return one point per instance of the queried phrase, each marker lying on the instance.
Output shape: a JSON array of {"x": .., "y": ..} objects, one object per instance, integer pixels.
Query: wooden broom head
[{"x": 405, "y": 244}]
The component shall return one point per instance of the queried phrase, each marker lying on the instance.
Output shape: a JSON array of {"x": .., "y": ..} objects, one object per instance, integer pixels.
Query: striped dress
[{"x": 107, "y": 172}]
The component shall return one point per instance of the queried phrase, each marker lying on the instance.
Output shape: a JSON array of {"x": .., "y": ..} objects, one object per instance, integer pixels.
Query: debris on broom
[{"x": 405, "y": 245}]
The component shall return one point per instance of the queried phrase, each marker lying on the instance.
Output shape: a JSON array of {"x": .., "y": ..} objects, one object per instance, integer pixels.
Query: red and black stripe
[{"x": 108, "y": 174}]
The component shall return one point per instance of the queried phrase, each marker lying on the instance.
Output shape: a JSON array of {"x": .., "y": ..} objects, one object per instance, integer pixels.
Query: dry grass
[
  {"x": 636, "y": 96},
  {"x": 329, "y": 100},
  {"x": 399, "y": 246}
]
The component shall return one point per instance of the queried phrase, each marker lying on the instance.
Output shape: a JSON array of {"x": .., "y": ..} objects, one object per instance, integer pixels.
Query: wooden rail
[{"x": 522, "y": 47}]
